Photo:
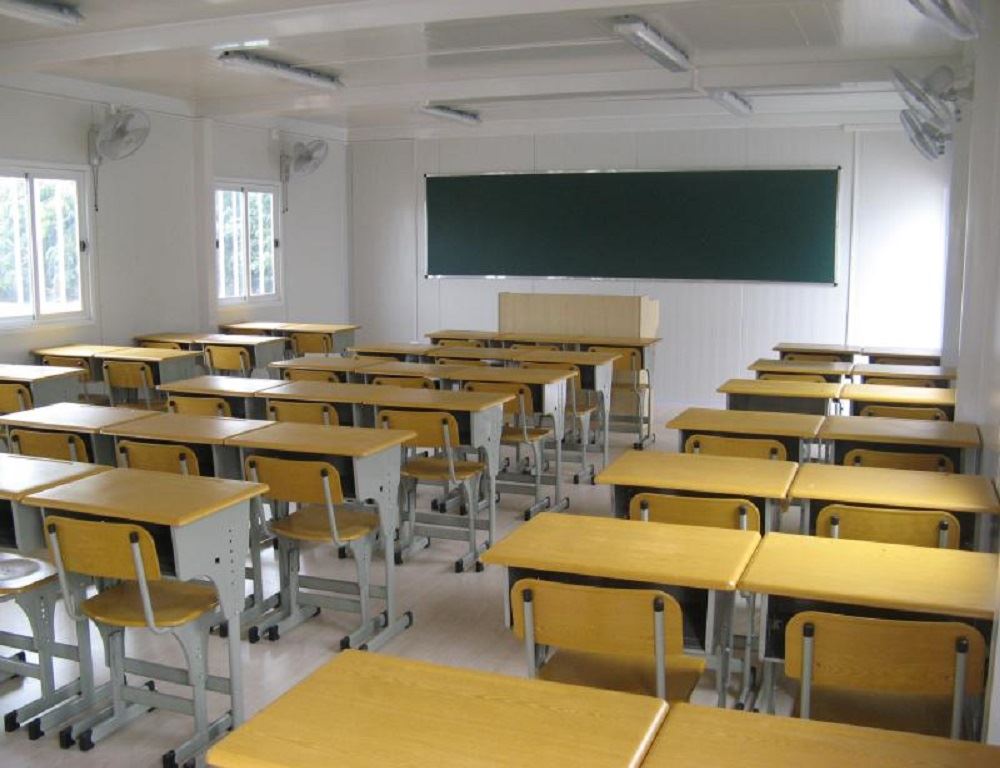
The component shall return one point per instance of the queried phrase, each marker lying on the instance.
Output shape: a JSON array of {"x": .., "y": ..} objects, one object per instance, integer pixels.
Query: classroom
[{"x": 493, "y": 383}]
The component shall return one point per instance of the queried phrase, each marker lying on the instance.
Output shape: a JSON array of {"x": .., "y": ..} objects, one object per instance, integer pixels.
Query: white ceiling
[{"x": 514, "y": 61}]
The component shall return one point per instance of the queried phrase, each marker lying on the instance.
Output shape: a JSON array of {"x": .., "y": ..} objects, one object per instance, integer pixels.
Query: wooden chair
[
  {"x": 158, "y": 457},
  {"x": 711, "y": 511},
  {"x": 900, "y": 382},
  {"x": 227, "y": 360},
  {"x": 302, "y": 413},
  {"x": 520, "y": 429},
  {"x": 411, "y": 382},
  {"x": 632, "y": 382},
  {"x": 48, "y": 445},
  {"x": 746, "y": 447},
  {"x": 459, "y": 343},
  {"x": 322, "y": 516},
  {"x": 126, "y": 553},
  {"x": 300, "y": 374},
  {"x": 311, "y": 343},
  {"x": 811, "y": 357},
  {"x": 438, "y": 431},
  {"x": 623, "y": 639},
  {"x": 898, "y": 675},
  {"x": 69, "y": 361},
  {"x": 904, "y": 412},
  {"x": 928, "y": 462},
  {"x": 160, "y": 344},
  {"x": 130, "y": 377},
  {"x": 14, "y": 397},
  {"x": 199, "y": 406},
  {"x": 812, "y": 377},
  {"x": 920, "y": 528}
]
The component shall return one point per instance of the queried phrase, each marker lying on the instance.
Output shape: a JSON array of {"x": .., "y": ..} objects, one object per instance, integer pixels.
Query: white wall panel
[{"x": 585, "y": 151}]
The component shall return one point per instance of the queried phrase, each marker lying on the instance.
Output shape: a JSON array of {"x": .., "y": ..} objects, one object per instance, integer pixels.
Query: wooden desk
[
  {"x": 383, "y": 711},
  {"x": 263, "y": 350},
  {"x": 167, "y": 364},
  {"x": 253, "y": 326},
  {"x": 861, "y": 395},
  {"x": 342, "y": 366},
  {"x": 370, "y": 370},
  {"x": 498, "y": 354},
  {"x": 199, "y": 514},
  {"x": 655, "y": 471},
  {"x": 784, "y": 396},
  {"x": 703, "y": 564},
  {"x": 794, "y": 430},
  {"x": 183, "y": 339},
  {"x": 405, "y": 351},
  {"x": 347, "y": 399},
  {"x": 341, "y": 335},
  {"x": 241, "y": 393},
  {"x": 904, "y": 355},
  {"x": 834, "y": 373},
  {"x": 86, "y": 351},
  {"x": 82, "y": 419},
  {"x": 844, "y": 352},
  {"x": 942, "y": 377},
  {"x": 47, "y": 383},
  {"x": 695, "y": 737},
  {"x": 959, "y": 440},
  {"x": 454, "y": 335}
]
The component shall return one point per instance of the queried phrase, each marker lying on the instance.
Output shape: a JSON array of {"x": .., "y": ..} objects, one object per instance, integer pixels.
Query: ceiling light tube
[
  {"x": 733, "y": 102},
  {"x": 637, "y": 32},
  {"x": 254, "y": 62},
  {"x": 451, "y": 113},
  {"x": 49, "y": 14}
]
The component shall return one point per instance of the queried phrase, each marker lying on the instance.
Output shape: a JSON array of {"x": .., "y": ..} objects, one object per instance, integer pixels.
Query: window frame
[
  {"x": 81, "y": 175},
  {"x": 245, "y": 187}
]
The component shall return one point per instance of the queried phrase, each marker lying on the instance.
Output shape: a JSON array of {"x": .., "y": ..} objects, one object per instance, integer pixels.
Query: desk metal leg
[
  {"x": 727, "y": 604},
  {"x": 805, "y": 518}
]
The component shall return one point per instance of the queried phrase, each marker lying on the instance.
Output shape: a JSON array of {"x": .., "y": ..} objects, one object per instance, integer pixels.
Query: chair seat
[
  {"x": 432, "y": 469},
  {"x": 915, "y": 713},
  {"x": 311, "y": 523},
  {"x": 631, "y": 674},
  {"x": 19, "y": 574},
  {"x": 174, "y": 603},
  {"x": 516, "y": 435}
]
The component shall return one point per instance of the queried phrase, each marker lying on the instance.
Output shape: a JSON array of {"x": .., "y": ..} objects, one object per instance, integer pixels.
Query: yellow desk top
[
  {"x": 74, "y": 417},
  {"x": 21, "y": 476},
  {"x": 747, "y": 422},
  {"x": 384, "y": 711},
  {"x": 320, "y": 392},
  {"x": 907, "y": 371},
  {"x": 766, "y": 388},
  {"x": 185, "y": 428},
  {"x": 899, "y": 395},
  {"x": 355, "y": 442},
  {"x": 26, "y": 374},
  {"x": 392, "y": 348},
  {"x": 474, "y": 353},
  {"x": 765, "y": 365},
  {"x": 535, "y": 376},
  {"x": 330, "y": 328},
  {"x": 443, "y": 399},
  {"x": 674, "y": 555},
  {"x": 901, "y": 577},
  {"x": 146, "y": 354},
  {"x": 469, "y": 335},
  {"x": 583, "y": 339},
  {"x": 896, "y": 488},
  {"x": 159, "y": 498},
  {"x": 916, "y": 352},
  {"x": 697, "y": 472},
  {"x": 807, "y": 347},
  {"x": 697, "y": 737},
  {"x": 170, "y": 337},
  {"x": 254, "y": 325},
  {"x": 331, "y": 363},
  {"x": 77, "y": 350},
  {"x": 238, "y": 339},
  {"x": 399, "y": 368},
  {"x": 865, "y": 429},
  {"x": 219, "y": 386},
  {"x": 565, "y": 356}
]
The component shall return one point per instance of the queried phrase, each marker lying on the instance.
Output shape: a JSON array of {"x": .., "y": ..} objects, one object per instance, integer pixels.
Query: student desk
[
  {"x": 701, "y": 566},
  {"x": 903, "y": 355},
  {"x": 347, "y": 399},
  {"x": 795, "y": 573},
  {"x": 693, "y": 474},
  {"x": 439, "y": 374},
  {"x": 47, "y": 383},
  {"x": 817, "y": 485},
  {"x": 453, "y": 335},
  {"x": 405, "y": 351},
  {"x": 88, "y": 352},
  {"x": 861, "y": 395},
  {"x": 206, "y": 523},
  {"x": 167, "y": 364},
  {"x": 960, "y": 441},
  {"x": 205, "y": 435},
  {"x": 834, "y": 373},
  {"x": 263, "y": 350},
  {"x": 182, "y": 339},
  {"x": 241, "y": 393},
  {"x": 341, "y": 335},
  {"x": 843, "y": 352},
  {"x": 383, "y": 711},
  {"x": 695, "y": 737},
  {"x": 784, "y": 396},
  {"x": 368, "y": 461},
  {"x": 942, "y": 377},
  {"x": 82, "y": 419},
  {"x": 342, "y": 366},
  {"x": 486, "y": 354},
  {"x": 796, "y": 431}
]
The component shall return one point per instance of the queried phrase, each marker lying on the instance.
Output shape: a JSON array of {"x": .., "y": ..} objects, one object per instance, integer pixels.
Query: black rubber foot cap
[
  {"x": 527, "y": 514},
  {"x": 10, "y": 723},
  {"x": 224, "y": 629},
  {"x": 459, "y": 566},
  {"x": 150, "y": 685},
  {"x": 272, "y": 634},
  {"x": 398, "y": 558},
  {"x": 342, "y": 553},
  {"x": 86, "y": 742},
  {"x": 35, "y": 731},
  {"x": 409, "y": 618},
  {"x": 345, "y": 642},
  {"x": 66, "y": 739},
  {"x": 169, "y": 759},
  {"x": 253, "y": 635},
  {"x": 479, "y": 567}
]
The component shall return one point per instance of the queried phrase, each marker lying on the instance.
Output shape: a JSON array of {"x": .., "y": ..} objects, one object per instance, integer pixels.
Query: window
[
  {"x": 43, "y": 269},
  {"x": 246, "y": 242}
]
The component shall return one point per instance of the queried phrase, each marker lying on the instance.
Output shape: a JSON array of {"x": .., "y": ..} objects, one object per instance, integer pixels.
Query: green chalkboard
[{"x": 705, "y": 225}]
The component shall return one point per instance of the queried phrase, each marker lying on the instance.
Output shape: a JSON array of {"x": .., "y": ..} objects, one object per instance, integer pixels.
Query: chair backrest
[
  {"x": 66, "y": 361},
  {"x": 128, "y": 374},
  {"x": 928, "y": 462},
  {"x": 917, "y": 527},
  {"x": 813, "y": 377},
  {"x": 746, "y": 447},
  {"x": 629, "y": 361},
  {"x": 301, "y": 374},
  {"x": 459, "y": 343},
  {"x": 711, "y": 511},
  {"x": 890, "y": 360},
  {"x": 101, "y": 549},
  {"x": 521, "y": 407},
  {"x": 225, "y": 358},
  {"x": 435, "y": 429},
  {"x": 160, "y": 344},
  {"x": 295, "y": 480},
  {"x": 48, "y": 445},
  {"x": 199, "y": 406},
  {"x": 811, "y": 357},
  {"x": 174, "y": 458},
  {"x": 413, "y": 382},
  {"x": 14, "y": 397},
  {"x": 905, "y": 412},
  {"x": 302, "y": 413},
  {"x": 900, "y": 382},
  {"x": 315, "y": 343}
]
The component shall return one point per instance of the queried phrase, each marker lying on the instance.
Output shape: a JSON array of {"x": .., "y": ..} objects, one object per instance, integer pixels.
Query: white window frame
[
  {"x": 244, "y": 187},
  {"x": 87, "y": 258}
]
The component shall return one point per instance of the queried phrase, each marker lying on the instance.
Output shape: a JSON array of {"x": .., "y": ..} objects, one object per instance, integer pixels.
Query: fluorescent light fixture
[
  {"x": 49, "y": 14},
  {"x": 254, "y": 62},
  {"x": 648, "y": 40},
  {"x": 957, "y": 17},
  {"x": 263, "y": 43},
  {"x": 451, "y": 113},
  {"x": 733, "y": 102}
]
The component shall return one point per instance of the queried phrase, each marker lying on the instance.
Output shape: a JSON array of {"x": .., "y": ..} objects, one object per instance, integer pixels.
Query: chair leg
[{"x": 193, "y": 638}]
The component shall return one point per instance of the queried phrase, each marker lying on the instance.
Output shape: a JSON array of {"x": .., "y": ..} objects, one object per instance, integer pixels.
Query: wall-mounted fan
[
  {"x": 929, "y": 141},
  {"x": 957, "y": 17},
  {"x": 932, "y": 108},
  {"x": 121, "y": 133},
  {"x": 303, "y": 159}
]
